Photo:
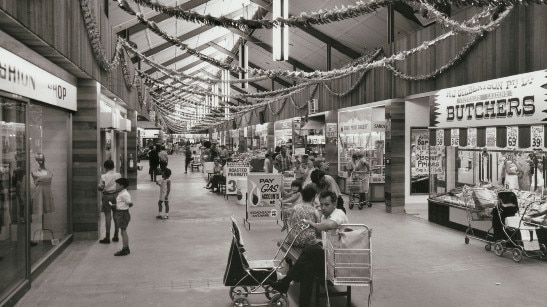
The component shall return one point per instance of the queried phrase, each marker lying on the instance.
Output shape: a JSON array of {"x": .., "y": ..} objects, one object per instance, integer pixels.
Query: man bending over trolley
[{"x": 311, "y": 262}]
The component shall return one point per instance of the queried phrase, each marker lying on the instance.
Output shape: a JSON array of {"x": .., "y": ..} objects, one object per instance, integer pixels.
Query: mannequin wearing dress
[{"x": 42, "y": 199}]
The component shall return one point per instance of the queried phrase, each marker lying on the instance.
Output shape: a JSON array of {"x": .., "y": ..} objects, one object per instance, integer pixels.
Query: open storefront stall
[
  {"x": 361, "y": 130},
  {"x": 485, "y": 138}
]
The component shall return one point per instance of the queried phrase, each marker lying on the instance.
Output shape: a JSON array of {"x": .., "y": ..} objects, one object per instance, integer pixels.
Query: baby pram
[
  {"x": 510, "y": 231},
  {"x": 246, "y": 277}
]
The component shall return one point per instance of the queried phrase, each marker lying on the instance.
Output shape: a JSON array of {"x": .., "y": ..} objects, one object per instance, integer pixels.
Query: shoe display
[
  {"x": 105, "y": 241},
  {"x": 122, "y": 252},
  {"x": 115, "y": 239}
]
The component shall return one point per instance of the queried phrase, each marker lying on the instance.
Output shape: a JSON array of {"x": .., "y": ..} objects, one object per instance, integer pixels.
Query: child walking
[
  {"x": 165, "y": 191},
  {"x": 122, "y": 216}
]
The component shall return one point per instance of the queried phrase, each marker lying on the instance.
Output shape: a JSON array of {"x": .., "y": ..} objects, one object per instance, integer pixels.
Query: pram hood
[{"x": 507, "y": 200}]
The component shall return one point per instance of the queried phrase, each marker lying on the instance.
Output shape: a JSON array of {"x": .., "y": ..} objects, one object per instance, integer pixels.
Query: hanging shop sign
[
  {"x": 512, "y": 137},
  {"x": 472, "y": 137},
  {"x": 491, "y": 135},
  {"x": 235, "y": 171},
  {"x": 439, "y": 137},
  {"x": 454, "y": 137},
  {"x": 21, "y": 77},
  {"x": 514, "y": 100},
  {"x": 264, "y": 196},
  {"x": 537, "y": 137}
]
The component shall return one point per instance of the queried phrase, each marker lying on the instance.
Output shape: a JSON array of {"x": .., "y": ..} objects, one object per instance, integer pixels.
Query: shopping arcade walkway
[{"x": 181, "y": 261}]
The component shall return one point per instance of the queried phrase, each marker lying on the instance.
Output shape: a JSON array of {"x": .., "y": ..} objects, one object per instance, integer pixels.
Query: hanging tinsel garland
[
  {"x": 388, "y": 63},
  {"x": 279, "y": 108},
  {"x": 94, "y": 37},
  {"x": 314, "y": 18}
]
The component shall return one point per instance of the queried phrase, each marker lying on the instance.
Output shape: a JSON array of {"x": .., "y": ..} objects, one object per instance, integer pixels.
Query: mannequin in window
[{"x": 42, "y": 198}]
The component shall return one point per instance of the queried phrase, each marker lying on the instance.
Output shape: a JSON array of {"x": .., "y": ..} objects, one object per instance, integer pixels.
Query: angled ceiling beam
[
  {"x": 182, "y": 38},
  {"x": 223, "y": 50},
  {"x": 269, "y": 49},
  {"x": 267, "y": 5},
  {"x": 407, "y": 11},
  {"x": 160, "y": 17}
]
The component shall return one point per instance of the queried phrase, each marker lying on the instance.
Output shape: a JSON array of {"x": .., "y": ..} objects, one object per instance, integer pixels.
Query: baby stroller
[
  {"x": 511, "y": 233},
  {"x": 246, "y": 277}
]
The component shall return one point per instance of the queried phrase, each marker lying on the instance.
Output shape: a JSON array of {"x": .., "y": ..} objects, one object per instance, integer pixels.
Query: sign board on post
[
  {"x": 235, "y": 171},
  {"x": 264, "y": 200}
]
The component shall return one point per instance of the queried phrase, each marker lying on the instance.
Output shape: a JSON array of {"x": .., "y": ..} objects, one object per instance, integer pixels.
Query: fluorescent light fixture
[{"x": 280, "y": 32}]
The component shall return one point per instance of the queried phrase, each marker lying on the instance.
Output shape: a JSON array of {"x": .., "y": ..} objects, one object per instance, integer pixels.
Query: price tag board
[
  {"x": 491, "y": 137},
  {"x": 439, "y": 139},
  {"x": 537, "y": 136},
  {"x": 512, "y": 137},
  {"x": 472, "y": 137},
  {"x": 235, "y": 171},
  {"x": 454, "y": 137}
]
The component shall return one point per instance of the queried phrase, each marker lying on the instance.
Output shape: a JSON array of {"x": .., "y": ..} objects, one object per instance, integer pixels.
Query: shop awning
[{"x": 314, "y": 124}]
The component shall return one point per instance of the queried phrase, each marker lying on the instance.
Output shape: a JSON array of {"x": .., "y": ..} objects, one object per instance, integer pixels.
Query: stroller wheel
[
  {"x": 488, "y": 247},
  {"x": 238, "y": 291},
  {"x": 279, "y": 300},
  {"x": 269, "y": 292},
  {"x": 241, "y": 301},
  {"x": 466, "y": 240},
  {"x": 351, "y": 205},
  {"x": 517, "y": 255},
  {"x": 498, "y": 249}
]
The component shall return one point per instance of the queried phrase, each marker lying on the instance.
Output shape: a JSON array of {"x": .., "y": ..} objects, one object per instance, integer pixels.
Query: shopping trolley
[
  {"x": 357, "y": 188},
  {"x": 476, "y": 212},
  {"x": 348, "y": 257}
]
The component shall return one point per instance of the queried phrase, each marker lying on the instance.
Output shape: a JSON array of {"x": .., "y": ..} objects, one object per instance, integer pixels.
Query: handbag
[{"x": 158, "y": 171}]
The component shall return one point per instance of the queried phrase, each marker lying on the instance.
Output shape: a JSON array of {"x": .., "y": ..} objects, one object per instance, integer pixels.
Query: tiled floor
[{"x": 181, "y": 261}]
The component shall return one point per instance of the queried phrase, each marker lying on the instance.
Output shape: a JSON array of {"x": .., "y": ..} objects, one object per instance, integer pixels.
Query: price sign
[
  {"x": 235, "y": 171},
  {"x": 491, "y": 137},
  {"x": 439, "y": 137},
  {"x": 537, "y": 136},
  {"x": 512, "y": 137},
  {"x": 472, "y": 137},
  {"x": 454, "y": 137}
]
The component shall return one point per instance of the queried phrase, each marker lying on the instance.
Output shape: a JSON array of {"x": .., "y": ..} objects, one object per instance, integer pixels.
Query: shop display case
[{"x": 469, "y": 179}]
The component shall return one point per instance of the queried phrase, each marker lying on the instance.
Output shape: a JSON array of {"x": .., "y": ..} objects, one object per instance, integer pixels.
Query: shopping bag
[{"x": 353, "y": 239}]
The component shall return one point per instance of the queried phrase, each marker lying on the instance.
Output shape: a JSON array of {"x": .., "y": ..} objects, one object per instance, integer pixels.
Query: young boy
[
  {"x": 165, "y": 191},
  {"x": 122, "y": 217}
]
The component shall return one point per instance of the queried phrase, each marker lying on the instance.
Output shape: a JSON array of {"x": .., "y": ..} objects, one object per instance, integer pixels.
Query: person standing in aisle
[
  {"x": 324, "y": 183},
  {"x": 122, "y": 216},
  {"x": 165, "y": 191},
  {"x": 164, "y": 158},
  {"x": 283, "y": 161},
  {"x": 268, "y": 167},
  {"x": 153, "y": 162},
  {"x": 188, "y": 158},
  {"x": 108, "y": 187}
]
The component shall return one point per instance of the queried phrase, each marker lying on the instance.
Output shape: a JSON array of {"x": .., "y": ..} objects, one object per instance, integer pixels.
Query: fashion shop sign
[
  {"x": 20, "y": 77},
  {"x": 514, "y": 100}
]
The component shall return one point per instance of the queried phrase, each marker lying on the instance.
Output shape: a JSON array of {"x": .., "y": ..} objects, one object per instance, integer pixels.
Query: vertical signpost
[{"x": 264, "y": 198}]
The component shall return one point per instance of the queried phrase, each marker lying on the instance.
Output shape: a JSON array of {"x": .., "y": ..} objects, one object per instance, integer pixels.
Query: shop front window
[
  {"x": 49, "y": 140},
  {"x": 13, "y": 236},
  {"x": 419, "y": 161}
]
